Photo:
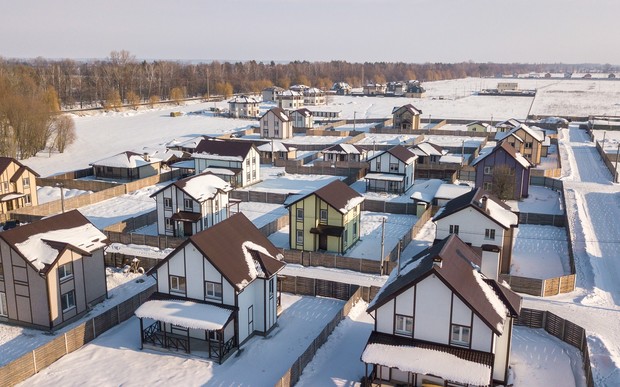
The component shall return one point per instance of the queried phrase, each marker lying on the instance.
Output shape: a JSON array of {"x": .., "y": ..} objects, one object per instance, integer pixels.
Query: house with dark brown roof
[
  {"x": 327, "y": 219},
  {"x": 440, "y": 321},
  {"x": 391, "y": 171},
  {"x": 302, "y": 118},
  {"x": 127, "y": 166},
  {"x": 530, "y": 142},
  {"x": 276, "y": 123},
  {"x": 406, "y": 117},
  {"x": 51, "y": 271},
  {"x": 214, "y": 292},
  {"x": 344, "y": 153},
  {"x": 236, "y": 162},
  {"x": 18, "y": 187},
  {"x": 481, "y": 220},
  {"x": 190, "y": 205}
]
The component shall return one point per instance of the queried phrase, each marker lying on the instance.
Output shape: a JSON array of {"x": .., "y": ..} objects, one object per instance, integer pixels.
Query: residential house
[
  {"x": 415, "y": 90},
  {"x": 299, "y": 88},
  {"x": 507, "y": 125},
  {"x": 243, "y": 106},
  {"x": 190, "y": 205},
  {"x": 189, "y": 145},
  {"x": 314, "y": 97},
  {"x": 271, "y": 93},
  {"x": 276, "y": 150},
  {"x": 481, "y": 220},
  {"x": 51, "y": 271},
  {"x": 479, "y": 126},
  {"x": 507, "y": 86},
  {"x": 529, "y": 141},
  {"x": 127, "y": 166},
  {"x": 391, "y": 171},
  {"x": 435, "y": 192},
  {"x": 396, "y": 89},
  {"x": 327, "y": 219},
  {"x": 302, "y": 118},
  {"x": 435, "y": 162},
  {"x": 341, "y": 88},
  {"x": 275, "y": 123},
  {"x": 503, "y": 170},
  {"x": 290, "y": 100},
  {"x": 18, "y": 186},
  {"x": 406, "y": 117},
  {"x": 214, "y": 292},
  {"x": 237, "y": 162},
  {"x": 374, "y": 89},
  {"x": 438, "y": 321},
  {"x": 345, "y": 153}
]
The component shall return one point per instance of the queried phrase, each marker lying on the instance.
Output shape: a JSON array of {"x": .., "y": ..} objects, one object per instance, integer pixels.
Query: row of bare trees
[{"x": 122, "y": 79}]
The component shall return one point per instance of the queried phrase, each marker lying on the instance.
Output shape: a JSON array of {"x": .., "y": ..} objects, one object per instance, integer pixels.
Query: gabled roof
[
  {"x": 127, "y": 159},
  {"x": 345, "y": 149},
  {"x": 220, "y": 148},
  {"x": 191, "y": 143},
  {"x": 199, "y": 187},
  {"x": 506, "y": 147},
  {"x": 428, "y": 149},
  {"x": 290, "y": 94},
  {"x": 459, "y": 271},
  {"x": 237, "y": 249},
  {"x": 41, "y": 243},
  {"x": 279, "y": 113},
  {"x": 313, "y": 91},
  {"x": 273, "y": 88},
  {"x": 483, "y": 202},
  {"x": 338, "y": 195},
  {"x": 484, "y": 124},
  {"x": 6, "y": 161},
  {"x": 276, "y": 146},
  {"x": 509, "y": 123},
  {"x": 409, "y": 107},
  {"x": 400, "y": 152},
  {"x": 244, "y": 99},
  {"x": 302, "y": 112}
]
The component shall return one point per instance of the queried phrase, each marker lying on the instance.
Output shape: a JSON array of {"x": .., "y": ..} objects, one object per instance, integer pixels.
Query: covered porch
[
  {"x": 186, "y": 326},
  {"x": 385, "y": 182},
  {"x": 11, "y": 201},
  {"x": 184, "y": 222}
]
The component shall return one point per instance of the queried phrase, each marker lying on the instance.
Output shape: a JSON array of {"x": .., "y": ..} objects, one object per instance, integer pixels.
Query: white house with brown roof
[
  {"x": 439, "y": 321},
  {"x": 291, "y": 100},
  {"x": 302, "y": 118},
  {"x": 51, "y": 271},
  {"x": 127, "y": 166},
  {"x": 391, "y": 171},
  {"x": 344, "y": 153},
  {"x": 214, "y": 292},
  {"x": 18, "y": 187},
  {"x": 406, "y": 117},
  {"x": 276, "y": 150},
  {"x": 314, "y": 97},
  {"x": 236, "y": 162},
  {"x": 276, "y": 123},
  {"x": 243, "y": 106},
  {"x": 190, "y": 205}
]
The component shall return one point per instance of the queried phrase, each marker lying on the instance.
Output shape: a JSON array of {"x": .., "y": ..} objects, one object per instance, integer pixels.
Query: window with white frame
[
  {"x": 393, "y": 167},
  {"x": 169, "y": 223},
  {"x": 454, "y": 229},
  {"x": 177, "y": 284},
  {"x": 271, "y": 287},
  {"x": 487, "y": 186},
  {"x": 27, "y": 200},
  {"x": 489, "y": 233},
  {"x": 323, "y": 216},
  {"x": 67, "y": 301},
  {"x": 403, "y": 325},
  {"x": 188, "y": 204},
  {"x": 167, "y": 203},
  {"x": 488, "y": 170},
  {"x": 26, "y": 182},
  {"x": 460, "y": 335},
  {"x": 355, "y": 229},
  {"x": 1, "y": 271},
  {"x": 528, "y": 145},
  {"x": 213, "y": 290},
  {"x": 65, "y": 271},
  {"x": 4, "y": 307},
  {"x": 300, "y": 214},
  {"x": 300, "y": 237}
]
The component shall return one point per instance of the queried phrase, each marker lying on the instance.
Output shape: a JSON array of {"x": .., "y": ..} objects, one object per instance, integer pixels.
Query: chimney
[
  {"x": 483, "y": 202},
  {"x": 437, "y": 261},
  {"x": 145, "y": 156}
]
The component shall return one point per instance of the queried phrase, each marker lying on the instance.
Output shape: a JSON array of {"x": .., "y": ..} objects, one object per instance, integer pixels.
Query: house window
[
  {"x": 4, "y": 307},
  {"x": 487, "y": 186},
  {"x": 177, "y": 284},
  {"x": 300, "y": 214},
  {"x": 271, "y": 287},
  {"x": 460, "y": 335},
  {"x": 65, "y": 271},
  {"x": 354, "y": 229},
  {"x": 213, "y": 290},
  {"x": 254, "y": 174},
  {"x": 213, "y": 335},
  {"x": 26, "y": 182},
  {"x": 393, "y": 167},
  {"x": 247, "y": 163},
  {"x": 169, "y": 223},
  {"x": 167, "y": 203},
  {"x": 5, "y": 185},
  {"x": 528, "y": 145},
  {"x": 300, "y": 237},
  {"x": 378, "y": 165},
  {"x": 346, "y": 238},
  {"x": 1, "y": 271},
  {"x": 323, "y": 216},
  {"x": 27, "y": 200},
  {"x": 250, "y": 319},
  {"x": 247, "y": 176},
  {"x": 488, "y": 170},
  {"x": 404, "y": 325},
  {"x": 67, "y": 301},
  {"x": 266, "y": 132},
  {"x": 188, "y": 204},
  {"x": 454, "y": 229},
  {"x": 489, "y": 233},
  {"x": 276, "y": 132},
  {"x": 109, "y": 169}
]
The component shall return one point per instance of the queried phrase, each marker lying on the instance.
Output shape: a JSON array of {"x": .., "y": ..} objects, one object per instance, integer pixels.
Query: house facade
[
  {"x": 479, "y": 126},
  {"x": 127, "y": 166},
  {"x": 51, "y": 271},
  {"x": 275, "y": 123},
  {"x": 214, "y": 292},
  {"x": 406, "y": 117},
  {"x": 344, "y": 153},
  {"x": 440, "y": 322},
  {"x": 271, "y": 93},
  {"x": 327, "y": 219},
  {"x": 275, "y": 150},
  {"x": 374, "y": 89},
  {"x": 391, "y": 171},
  {"x": 528, "y": 141},
  {"x": 483, "y": 221},
  {"x": 302, "y": 118},
  {"x": 314, "y": 97},
  {"x": 236, "y": 162},
  {"x": 243, "y": 106},
  {"x": 191, "y": 205},
  {"x": 18, "y": 186},
  {"x": 291, "y": 100},
  {"x": 503, "y": 169}
]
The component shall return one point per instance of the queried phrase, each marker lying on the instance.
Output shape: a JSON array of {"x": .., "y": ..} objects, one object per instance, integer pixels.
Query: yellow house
[
  {"x": 327, "y": 219},
  {"x": 18, "y": 187},
  {"x": 531, "y": 143}
]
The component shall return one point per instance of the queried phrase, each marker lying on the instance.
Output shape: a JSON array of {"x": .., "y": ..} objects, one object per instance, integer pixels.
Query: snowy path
[{"x": 593, "y": 210}]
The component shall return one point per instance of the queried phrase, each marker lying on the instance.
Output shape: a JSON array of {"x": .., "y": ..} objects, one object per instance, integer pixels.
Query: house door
[
  {"x": 322, "y": 242},
  {"x": 187, "y": 229}
]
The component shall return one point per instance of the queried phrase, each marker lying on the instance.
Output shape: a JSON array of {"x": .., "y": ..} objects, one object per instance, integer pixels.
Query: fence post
[{"x": 34, "y": 361}]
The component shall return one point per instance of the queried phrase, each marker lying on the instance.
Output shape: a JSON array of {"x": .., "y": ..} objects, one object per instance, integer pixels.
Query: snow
[
  {"x": 205, "y": 186},
  {"x": 336, "y": 275},
  {"x": 352, "y": 203},
  {"x": 498, "y": 306},
  {"x": 40, "y": 253},
  {"x": 501, "y": 215},
  {"x": 186, "y": 314},
  {"x": 49, "y": 194},
  {"x": 540, "y": 252},
  {"x": 385, "y": 176},
  {"x": 428, "y": 361},
  {"x": 292, "y": 183},
  {"x": 124, "y": 160},
  {"x": 541, "y": 200},
  {"x": 138, "y": 250},
  {"x": 254, "y": 268}
]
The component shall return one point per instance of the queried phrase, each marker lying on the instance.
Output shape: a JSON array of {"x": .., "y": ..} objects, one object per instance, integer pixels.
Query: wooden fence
[
  {"x": 564, "y": 330},
  {"x": 389, "y": 207},
  {"x": 313, "y": 258},
  {"x": 34, "y": 361},
  {"x": 542, "y": 219},
  {"x": 258, "y": 196},
  {"x": 610, "y": 161},
  {"x": 541, "y": 287},
  {"x": 134, "y": 223}
]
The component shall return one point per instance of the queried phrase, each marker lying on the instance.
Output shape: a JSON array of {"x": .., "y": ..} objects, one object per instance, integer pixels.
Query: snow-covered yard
[
  {"x": 540, "y": 252},
  {"x": 277, "y": 181},
  {"x": 541, "y": 200},
  {"x": 49, "y": 194}
]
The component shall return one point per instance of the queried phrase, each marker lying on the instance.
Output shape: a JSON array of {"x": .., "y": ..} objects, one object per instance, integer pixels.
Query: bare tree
[
  {"x": 133, "y": 100},
  {"x": 113, "y": 100},
  {"x": 503, "y": 182},
  {"x": 63, "y": 128}
]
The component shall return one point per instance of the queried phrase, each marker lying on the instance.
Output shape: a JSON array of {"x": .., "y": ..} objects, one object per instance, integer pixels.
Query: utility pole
[
  {"x": 62, "y": 196},
  {"x": 354, "y": 114},
  {"x": 383, "y": 242},
  {"x": 616, "y": 171},
  {"x": 273, "y": 157}
]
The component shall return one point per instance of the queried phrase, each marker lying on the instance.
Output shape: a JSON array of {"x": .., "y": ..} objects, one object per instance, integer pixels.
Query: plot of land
[{"x": 540, "y": 252}]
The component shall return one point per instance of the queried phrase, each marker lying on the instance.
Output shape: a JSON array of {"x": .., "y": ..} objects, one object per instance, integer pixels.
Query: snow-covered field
[{"x": 49, "y": 194}]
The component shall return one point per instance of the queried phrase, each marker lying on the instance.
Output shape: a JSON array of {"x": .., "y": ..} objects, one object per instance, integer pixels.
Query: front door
[
  {"x": 322, "y": 242},
  {"x": 187, "y": 228}
]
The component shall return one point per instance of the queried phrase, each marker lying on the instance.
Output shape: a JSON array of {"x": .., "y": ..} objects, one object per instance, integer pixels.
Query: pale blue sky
[{"x": 417, "y": 31}]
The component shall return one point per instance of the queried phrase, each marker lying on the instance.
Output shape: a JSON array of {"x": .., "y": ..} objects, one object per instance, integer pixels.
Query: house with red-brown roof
[
  {"x": 276, "y": 123},
  {"x": 236, "y": 162},
  {"x": 438, "y": 321},
  {"x": 391, "y": 171},
  {"x": 18, "y": 187},
  {"x": 214, "y": 292},
  {"x": 406, "y": 117},
  {"x": 51, "y": 271}
]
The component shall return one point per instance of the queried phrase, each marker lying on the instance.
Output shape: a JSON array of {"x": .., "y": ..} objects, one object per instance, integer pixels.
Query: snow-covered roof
[
  {"x": 425, "y": 191},
  {"x": 243, "y": 99},
  {"x": 290, "y": 93},
  {"x": 313, "y": 91},
  {"x": 451, "y": 159},
  {"x": 200, "y": 187},
  {"x": 344, "y": 149},
  {"x": 427, "y": 149},
  {"x": 336, "y": 194},
  {"x": 138, "y": 250},
  {"x": 185, "y": 164},
  {"x": 186, "y": 314},
  {"x": 428, "y": 361},
  {"x": 275, "y": 146},
  {"x": 385, "y": 176},
  {"x": 220, "y": 171},
  {"x": 451, "y": 191},
  {"x": 127, "y": 160}
]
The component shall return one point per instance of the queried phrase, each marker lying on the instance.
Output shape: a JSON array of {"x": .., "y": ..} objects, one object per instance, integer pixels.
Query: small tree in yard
[{"x": 503, "y": 182}]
